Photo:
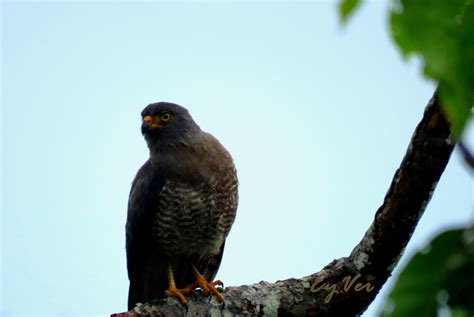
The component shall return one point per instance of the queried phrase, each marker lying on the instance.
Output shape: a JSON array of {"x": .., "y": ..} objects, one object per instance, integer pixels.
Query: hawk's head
[{"x": 165, "y": 123}]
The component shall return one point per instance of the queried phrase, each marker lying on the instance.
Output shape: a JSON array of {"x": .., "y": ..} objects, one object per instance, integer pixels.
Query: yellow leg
[
  {"x": 205, "y": 285},
  {"x": 172, "y": 290}
]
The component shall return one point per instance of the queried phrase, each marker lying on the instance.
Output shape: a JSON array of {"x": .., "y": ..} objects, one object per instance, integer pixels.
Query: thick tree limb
[{"x": 344, "y": 287}]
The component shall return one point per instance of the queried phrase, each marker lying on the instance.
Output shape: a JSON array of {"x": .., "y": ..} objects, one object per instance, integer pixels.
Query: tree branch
[
  {"x": 467, "y": 155},
  {"x": 344, "y": 287}
]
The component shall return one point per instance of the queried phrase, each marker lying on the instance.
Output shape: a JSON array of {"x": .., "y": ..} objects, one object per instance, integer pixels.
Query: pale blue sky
[{"x": 317, "y": 117}]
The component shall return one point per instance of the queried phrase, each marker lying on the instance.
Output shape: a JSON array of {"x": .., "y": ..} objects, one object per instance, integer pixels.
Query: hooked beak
[{"x": 148, "y": 124}]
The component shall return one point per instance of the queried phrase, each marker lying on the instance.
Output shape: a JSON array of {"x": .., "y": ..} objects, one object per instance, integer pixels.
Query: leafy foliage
[
  {"x": 442, "y": 33},
  {"x": 346, "y": 8},
  {"x": 441, "y": 275}
]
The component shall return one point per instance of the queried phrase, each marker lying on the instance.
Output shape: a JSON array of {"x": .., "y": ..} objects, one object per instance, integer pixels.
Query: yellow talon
[
  {"x": 172, "y": 290},
  {"x": 201, "y": 282},
  {"x": 206, "y": 286}
]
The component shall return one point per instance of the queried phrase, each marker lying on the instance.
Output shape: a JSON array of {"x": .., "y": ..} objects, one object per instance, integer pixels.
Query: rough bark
[{"x": 346, "y": 286}]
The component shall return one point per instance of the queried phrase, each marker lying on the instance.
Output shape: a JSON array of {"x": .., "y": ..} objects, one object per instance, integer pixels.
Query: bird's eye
[{"x": 165, "y": 117}]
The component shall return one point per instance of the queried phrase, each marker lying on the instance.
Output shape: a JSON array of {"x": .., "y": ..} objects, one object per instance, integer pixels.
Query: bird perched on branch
[{"x": 182, "y": 204}]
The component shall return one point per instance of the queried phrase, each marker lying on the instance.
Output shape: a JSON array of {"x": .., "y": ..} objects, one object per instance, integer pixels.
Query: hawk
[{"x": 182, "y": 204}]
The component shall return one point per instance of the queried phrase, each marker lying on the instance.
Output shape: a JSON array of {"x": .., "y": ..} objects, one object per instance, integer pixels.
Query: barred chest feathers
[{"x": 197, "y": 205}]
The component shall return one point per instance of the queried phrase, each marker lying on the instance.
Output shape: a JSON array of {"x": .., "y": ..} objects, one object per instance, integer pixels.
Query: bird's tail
[
  {"x": 135, "y": 294},
  {"x": 151, "y": 287}
]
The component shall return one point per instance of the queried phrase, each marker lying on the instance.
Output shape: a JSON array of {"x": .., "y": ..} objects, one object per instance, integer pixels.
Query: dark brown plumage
[{"x": 181, "y": 207}]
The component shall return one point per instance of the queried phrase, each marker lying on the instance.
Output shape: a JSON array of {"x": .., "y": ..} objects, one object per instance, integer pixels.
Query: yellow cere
[
  {"x": 156, "y": 123},
  {"x": 147, "y": 119}
]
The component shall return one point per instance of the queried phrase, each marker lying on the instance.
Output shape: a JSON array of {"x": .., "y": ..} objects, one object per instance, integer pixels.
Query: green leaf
[
  {"x": 440, "y": 275},
  {"x": 347, "y": 8},
  {"x": 460, "y": 313},
  {"x": 441, "y": 32}
]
